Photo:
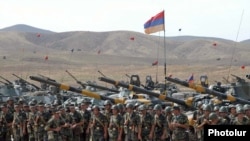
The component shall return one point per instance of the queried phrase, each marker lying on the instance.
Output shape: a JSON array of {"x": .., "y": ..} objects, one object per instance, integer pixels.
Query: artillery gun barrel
[
  {"x": 4, "y": 83},
  {"x": 27, "y": 82},
  {"x": 101, "y": 73},
  {"x": 202, "y": 89},
  {"x": 6, "y": 80},
  {"x": 77, "y": 81},
  {"x": 73, "y": 89},
  {"x": 102, "y": 87},
  {"x": 187, "y": 103},
  {"x": 47, "y": 77}
]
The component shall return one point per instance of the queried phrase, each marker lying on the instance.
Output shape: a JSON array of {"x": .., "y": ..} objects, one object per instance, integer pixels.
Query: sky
[{"x": 227, "y": 19}]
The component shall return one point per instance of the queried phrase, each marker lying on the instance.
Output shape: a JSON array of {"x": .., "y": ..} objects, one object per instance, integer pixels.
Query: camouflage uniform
[
  {"x": 31, "y": 126},
  {"x": 146, "y": 122},
  {"x": 18, "y": 125},
  {"x": 99, "y": 125},
  {"x": 132, "y": 121},
  {"x": 66, "y": 132},
  {"x": 76, "y": 119},
  {"x": 115, "y": 125},
  {"x": 52, "y": 124},
  {"x": 40, "y": 122},
  {"x": 179, "y": 133},
  {"x": 5, "y": 119},
  {"x": 159, "y": 124}
]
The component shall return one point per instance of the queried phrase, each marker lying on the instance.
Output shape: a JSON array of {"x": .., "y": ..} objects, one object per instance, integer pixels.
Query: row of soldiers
[
  {"x": 219, "y": 115},
  {"x": 41, "y": 122}
]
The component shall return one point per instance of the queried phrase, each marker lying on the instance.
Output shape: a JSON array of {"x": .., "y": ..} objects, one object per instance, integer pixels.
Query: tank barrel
[
  {"x": 77, "y": 81},
  {"x": 73, "y": 89},
  {"x": 6, "y": 80},
  {"x": 134, "y": 88},
  {"x": 38, "y": 88},
  {"x": 102, "y": 87},
  {"x": 202, "y": 89}
]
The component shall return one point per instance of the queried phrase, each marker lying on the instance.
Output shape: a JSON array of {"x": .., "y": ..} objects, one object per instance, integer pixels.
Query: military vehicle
[
  {"x": 94, "y": 94},
  {"x": 201, "y": 89},
  {"x": 7, "y": 90}
]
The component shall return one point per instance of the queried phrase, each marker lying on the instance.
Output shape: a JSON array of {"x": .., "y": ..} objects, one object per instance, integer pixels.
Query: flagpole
[{"x": 165, "y": 57}]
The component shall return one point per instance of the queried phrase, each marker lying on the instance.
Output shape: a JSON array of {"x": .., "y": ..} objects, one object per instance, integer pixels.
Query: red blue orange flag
[
  {"x": 155, "y": 24},
  {"x": 191, "y": 79}
]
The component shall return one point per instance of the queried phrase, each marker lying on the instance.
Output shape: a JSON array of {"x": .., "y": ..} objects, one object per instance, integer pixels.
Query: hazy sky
[{"x": 210, "y": 18}]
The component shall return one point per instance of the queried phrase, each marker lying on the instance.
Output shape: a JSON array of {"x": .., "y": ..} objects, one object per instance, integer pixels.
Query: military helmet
[
  {"x": 115, "y": 107},
  {"x": 107, "y": 102},
  {"x": 223, "y": 109},
  {"x": 207, "y": 108},
  {"x": 157, "y": 107},
  {"x": 130, "y": 105},
  {"x": 213, "y": 116},
  {"x": 137, "y": 104},
  {"x": 239, "y": 110},
  {"x": 168, "y": 109},
  {"x": 199, "y": 104},
  {"x": 96, "y": 107},
  {"x": 9, "y": 99},
  {"x": 238, "y": 105},
  {"x": 142, "y": 107},
  {"x": 216, "y": 108},
  {"x": 246, "y": 107},
  {"x": 120, "y": 106}
]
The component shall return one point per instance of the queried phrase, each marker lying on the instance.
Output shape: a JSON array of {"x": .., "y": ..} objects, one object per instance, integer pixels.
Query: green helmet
[
  {"x": 107, "y": 102},
  {"x": 216, "y": 108},
  {"x": 120, "y": 106},
  {"x": 130, "y": 105},
  {"x": 168, "y": 109},
  {"x": 137, "y": 104},
  {"x": 207, "y": 108},
  {"x": 142, "y": 107},
  {"x": 96, "y": 107},
  {"x": 223, "y": 109},
  {"x": 239, "y": 110},
  {"x": 213, "y": 116},
  {"x": 157, "y": 107},
  {"x": 115, "y": 107},
  {"x": 246, "y": 107}
]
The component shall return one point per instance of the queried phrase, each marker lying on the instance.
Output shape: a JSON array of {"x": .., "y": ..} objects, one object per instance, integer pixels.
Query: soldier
[
  {"x": 169, "y": 116},
  {"x": 198, "y": 112},
  {"x": 6, "y": 119},
  {"x": 131, "y": 121},
  {"x": 86, "y": 117},
  {"x": 247, "y": 110},
  {"x": 40, "y": 122},
  {"x": 240, "y": 119},
  {"x": 107, "y": 111},
  {"x": 201, "y": 121},
  {"x": 179, "y": 125},
  {"x": 53, "y": 127},
  {"x": 214, "y": 119},
  {"x": 98, "y": 125},
  {"x": 31, "y": 123},
  {"x": 25, "y": 111},
  {"x": 76, "y": 123},
  {"x": 145, "y": 129},
  {"x": 66, "y": 131},
  {"x": 18, "y": 125},
  {"x": 10, "y": 104},
  {"x": 232, "y": 112},
  {"x": 115, "y": 128},
  {"x": 223, "y": 113}
]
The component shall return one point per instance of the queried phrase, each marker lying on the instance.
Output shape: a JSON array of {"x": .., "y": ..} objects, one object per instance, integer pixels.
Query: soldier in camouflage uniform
[
  {"x": 10, "y": 105},
  {"x": 246, "y": 108},
  {"x": 53, "y": 127},
  {"x": 77, "y": 122},
  {"x": 98, "y": 125},
  {"x": 179, "y": 125},
  {"x": 131, "y": 122},
  {"x": 6, "y": 119},
  {"x": 214, "y": 119},
  {"x": 223, "y": 113},
  {"x": 159, "y": 124},
  {"x": 240, "y": 119},
  {"x": 40, "y": 122},
  {"x": 145, "y": 128},
  {"x": 18, "y": 125},
  {"x": 201, "y": 121},
  {"x": 31, "y": 123},
  {"x": 232, "y": 112},
  {"x": 115, "y": 127},
  {"x": 86, "y": 117},
  {"x": 66, "y": 131}
]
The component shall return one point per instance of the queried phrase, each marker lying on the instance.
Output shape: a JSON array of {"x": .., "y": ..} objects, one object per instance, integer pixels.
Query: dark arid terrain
[{"x": 26, "y": 51}]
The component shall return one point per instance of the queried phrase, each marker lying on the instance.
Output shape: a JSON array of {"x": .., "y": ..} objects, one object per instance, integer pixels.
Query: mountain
[
  {"x": 26, "y": 28},
  {"x": 181, "y": 49}
]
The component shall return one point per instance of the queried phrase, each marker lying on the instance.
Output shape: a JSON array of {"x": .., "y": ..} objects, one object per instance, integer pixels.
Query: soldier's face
[{"x": 95, "y": 111}]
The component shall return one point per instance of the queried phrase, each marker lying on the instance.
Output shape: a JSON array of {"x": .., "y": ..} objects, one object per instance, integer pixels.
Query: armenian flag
[{"x": 155, "y": 24}]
